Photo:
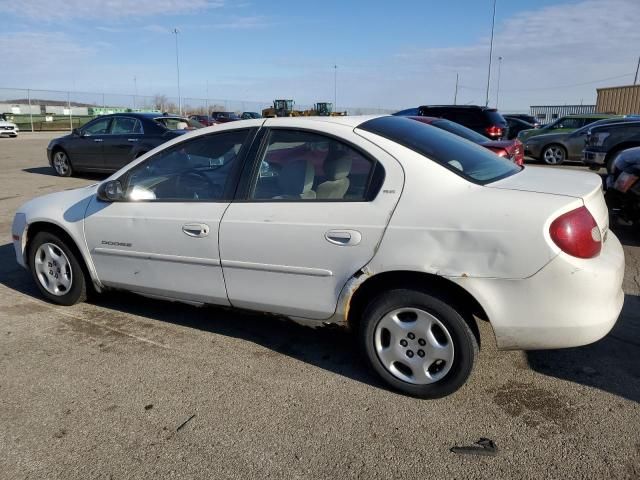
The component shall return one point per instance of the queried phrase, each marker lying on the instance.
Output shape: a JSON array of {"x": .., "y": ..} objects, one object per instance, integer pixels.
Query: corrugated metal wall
[
  {"x": 548, "y": 113},
  {"x": 621, "y": 100}
]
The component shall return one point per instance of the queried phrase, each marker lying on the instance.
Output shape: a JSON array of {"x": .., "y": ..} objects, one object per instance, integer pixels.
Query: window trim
[
  {"x": 234, "y": 175},
  {"x": 249, "y": 176},
  {"x": 94, "y": 121},
  {"x": 113, "y": 122}
]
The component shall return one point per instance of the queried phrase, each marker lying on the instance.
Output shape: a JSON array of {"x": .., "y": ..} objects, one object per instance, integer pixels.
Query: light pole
[
  {"x": 493, "y": 22},
  {"x": 455, "y": 95},
  {"x": 498, "y": 88},
  {"x": 175, "y": 31},
  {"x": 335, "y": 87}
]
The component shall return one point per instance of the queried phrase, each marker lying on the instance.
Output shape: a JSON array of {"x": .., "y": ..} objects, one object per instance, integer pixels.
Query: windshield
[
  {"x": 459, "y": 130},
  {"x": 469, "y": 160},
  {"x": 178, "y": 123}
]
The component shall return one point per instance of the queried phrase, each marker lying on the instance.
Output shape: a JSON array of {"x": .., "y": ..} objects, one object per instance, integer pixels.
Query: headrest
[
  {"x": 296, "y": 177},
  {"x": 336, "y": 168}
]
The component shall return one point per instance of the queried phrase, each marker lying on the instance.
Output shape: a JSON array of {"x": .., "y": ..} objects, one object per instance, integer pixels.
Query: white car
[
  {"x": 8, "y": 128},
  {"x": 403, "y": 232}
]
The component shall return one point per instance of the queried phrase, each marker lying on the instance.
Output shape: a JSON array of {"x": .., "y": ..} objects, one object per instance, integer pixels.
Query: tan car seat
[
  {"x": 336, "y": 170},
  {"x": 296, "y": 180}
]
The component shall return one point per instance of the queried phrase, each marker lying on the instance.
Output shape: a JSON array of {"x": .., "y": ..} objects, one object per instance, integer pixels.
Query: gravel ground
[{"x": 126, "y": 387}]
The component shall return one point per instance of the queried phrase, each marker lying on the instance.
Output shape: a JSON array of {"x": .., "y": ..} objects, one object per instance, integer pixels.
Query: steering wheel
[{"x": 215, "y": 190}]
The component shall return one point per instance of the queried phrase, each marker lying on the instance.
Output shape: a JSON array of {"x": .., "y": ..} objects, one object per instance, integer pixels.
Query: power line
[{"x": 554, "y": 87}]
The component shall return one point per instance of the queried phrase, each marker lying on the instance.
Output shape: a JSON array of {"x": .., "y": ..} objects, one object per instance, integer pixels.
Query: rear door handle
[
  {"x": 132, "y": 139},
  {"x": 197, "y": 230},
  {"x": 343, "y": 237},
  {"x": 98, "y": 140}
]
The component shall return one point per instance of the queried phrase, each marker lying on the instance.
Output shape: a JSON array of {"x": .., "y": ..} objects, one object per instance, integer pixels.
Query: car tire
[
  {"x": 61, "y": 163},
  {"x": 418, "y": 343},
  {"x": 553, "y": 154},
  {"x": 56, "y": 270}
]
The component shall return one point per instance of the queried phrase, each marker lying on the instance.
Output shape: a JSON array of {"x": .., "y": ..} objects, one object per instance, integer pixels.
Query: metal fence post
[{"x": 30, "y": 111}]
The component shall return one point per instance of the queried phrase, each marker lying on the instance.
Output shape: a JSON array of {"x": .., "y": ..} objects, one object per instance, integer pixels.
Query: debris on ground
[{"x": 484, "y": 446}]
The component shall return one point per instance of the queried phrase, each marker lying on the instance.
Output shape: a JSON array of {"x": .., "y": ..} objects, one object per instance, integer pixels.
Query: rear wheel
[
  {"x": 56, "y": 270},
  {"x": 418, "y": 343},
  {"x": 553, "y": 154},
  {"x": 61, "y": 163}
]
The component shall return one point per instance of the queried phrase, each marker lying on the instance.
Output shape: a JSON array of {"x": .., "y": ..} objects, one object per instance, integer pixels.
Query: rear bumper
[{"x": 568, "y": 303}]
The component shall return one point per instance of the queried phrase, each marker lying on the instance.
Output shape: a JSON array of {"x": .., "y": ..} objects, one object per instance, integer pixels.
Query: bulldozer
[{"x": 281, "y": 108}]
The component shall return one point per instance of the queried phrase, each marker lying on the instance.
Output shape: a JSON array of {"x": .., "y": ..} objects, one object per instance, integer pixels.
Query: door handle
[
  {"x": 197, "y": 230},
  {"x": 132, "y": 139},
  {"x": 98, "y": 140},
  {"x": 343, "y": 237}
]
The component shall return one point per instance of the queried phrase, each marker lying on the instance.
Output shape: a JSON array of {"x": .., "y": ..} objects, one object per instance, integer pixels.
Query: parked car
[
  {"x": 109, "y": 142},
  {"x": 509, "y": 149},
  {"x": 623, "y": 186},
  {"x": 525, "y": 117},
  {"x": 8, "y": 128},
  {"x": 555, "y": 148},
  {"x": 225, "y": 117},
  {"x": 486, "y": 121},
  {"x": 402, "y": 231},
  {"x": 250, "y": 115},
  {"x": 516, "y": 126},
  {"x": 605, "y": 141},
  {"x": 565, "y": 124},
  {"x": 204, "y": 120}
]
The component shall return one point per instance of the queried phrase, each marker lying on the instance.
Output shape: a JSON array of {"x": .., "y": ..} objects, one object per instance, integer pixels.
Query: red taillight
[
  {"x": 518, "y": 153},
  {"x": 502, "y": 153},
  {"x": 577, "y": 233},
  {"x": 625, "y": 181},
  {"x": 494, "y": 131}
]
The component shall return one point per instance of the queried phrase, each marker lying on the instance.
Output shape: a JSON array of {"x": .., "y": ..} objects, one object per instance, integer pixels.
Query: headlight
[{"x": 598, "y": 138}]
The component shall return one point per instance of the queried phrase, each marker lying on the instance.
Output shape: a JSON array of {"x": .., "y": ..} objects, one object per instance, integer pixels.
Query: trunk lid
[{"x": 586, "y": 186}]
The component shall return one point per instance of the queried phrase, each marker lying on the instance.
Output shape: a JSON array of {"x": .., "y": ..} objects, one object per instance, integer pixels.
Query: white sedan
[{"x": 403, "y": 232}]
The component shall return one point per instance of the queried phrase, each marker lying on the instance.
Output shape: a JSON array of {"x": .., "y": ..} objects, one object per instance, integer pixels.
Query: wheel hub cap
[
  {"x": 414, "y": 346},
  {"x": 53, "y": 269},
  {"x": 60, "y": 163}
]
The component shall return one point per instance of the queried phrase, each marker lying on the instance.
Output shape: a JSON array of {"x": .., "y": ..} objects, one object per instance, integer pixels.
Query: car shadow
[
  {"x": 612, "y": 364},
  {"x": 51, "y": 172},
  {"x": 330, "y": 348}
]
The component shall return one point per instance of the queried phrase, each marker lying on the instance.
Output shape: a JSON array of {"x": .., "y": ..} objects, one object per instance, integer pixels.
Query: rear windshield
[
  {"x": 177, "y": 123},
  {"x": 471, "y": 161},
  {"x": 459, "y": 130},
  {"x": 495, "y": 117}
]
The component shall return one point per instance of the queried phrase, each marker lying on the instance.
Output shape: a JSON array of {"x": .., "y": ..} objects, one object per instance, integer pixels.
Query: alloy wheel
[
  {"x": 61, "y": 164},
  {"x": 553, "y": 155}
]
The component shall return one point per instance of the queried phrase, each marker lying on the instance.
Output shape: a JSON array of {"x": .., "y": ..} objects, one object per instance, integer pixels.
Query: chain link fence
[{"x": 43, "y": 110}]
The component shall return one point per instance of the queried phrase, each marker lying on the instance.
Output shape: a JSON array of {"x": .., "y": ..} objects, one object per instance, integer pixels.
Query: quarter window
[
  {"x": 305, "y": 166},
  {"x": 196, "y": 170}
]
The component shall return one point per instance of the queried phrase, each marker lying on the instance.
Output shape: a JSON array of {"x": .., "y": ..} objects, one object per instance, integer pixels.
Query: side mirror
[
  {"x": 110, "y": 191},
  {"x": 76, "y": 132}
]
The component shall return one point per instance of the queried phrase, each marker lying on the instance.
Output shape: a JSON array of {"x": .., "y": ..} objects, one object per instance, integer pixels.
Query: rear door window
[{"x": 471, "y": 161}]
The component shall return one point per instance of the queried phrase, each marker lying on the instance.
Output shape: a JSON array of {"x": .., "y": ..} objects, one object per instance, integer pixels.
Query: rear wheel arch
[
  {"x": 452, "y": 293},
  {"x": 36, "y": 227}
]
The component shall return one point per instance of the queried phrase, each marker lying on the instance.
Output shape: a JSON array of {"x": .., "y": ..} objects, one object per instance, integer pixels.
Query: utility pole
[
  {"x": 635, "y": 80},
  {"x": 206, "y": 102},
  {"x": 493, "y": 23},
  {"x": 455, "y": 95},
  {"x": 498, "y": 89},
  {"x": 335, "y": 87},
  {"x": 135, "y": 90},
  {"x": 31, "y": 111},
  {"x": 176, "y": 32}
]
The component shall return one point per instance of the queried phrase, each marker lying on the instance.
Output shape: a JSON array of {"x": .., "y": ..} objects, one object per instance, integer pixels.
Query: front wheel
[
  {"x": 553, "y": 155},
  {"x": 56, "y": 270},
  {"x": 418, "y": 343},
  {"x": 61, "y": 164}
]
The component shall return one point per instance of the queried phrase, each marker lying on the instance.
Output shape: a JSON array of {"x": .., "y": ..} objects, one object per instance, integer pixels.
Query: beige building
[{"x": 619, "y": 100}]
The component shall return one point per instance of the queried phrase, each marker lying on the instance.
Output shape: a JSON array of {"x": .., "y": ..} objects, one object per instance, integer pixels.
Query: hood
[
  {"x": 5, "y": 123},
  {"x": 569, "y": 183},
  {"x": 65, "y": 206}
]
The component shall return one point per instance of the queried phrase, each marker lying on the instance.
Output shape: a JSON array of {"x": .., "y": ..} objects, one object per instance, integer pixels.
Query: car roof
[
  {"x": 461, "y": 107},
  {"x": 148, "y": 115}
]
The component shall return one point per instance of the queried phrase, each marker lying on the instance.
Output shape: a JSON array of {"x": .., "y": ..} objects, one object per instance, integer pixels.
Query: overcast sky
[{"x": 389, "y": 54}]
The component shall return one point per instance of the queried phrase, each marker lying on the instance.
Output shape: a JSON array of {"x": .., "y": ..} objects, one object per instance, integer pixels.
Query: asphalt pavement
[{"x": 128, "y": 387}]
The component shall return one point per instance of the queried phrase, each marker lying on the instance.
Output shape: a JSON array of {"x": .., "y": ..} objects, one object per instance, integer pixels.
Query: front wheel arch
[{"x": 36, "y": 227}]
